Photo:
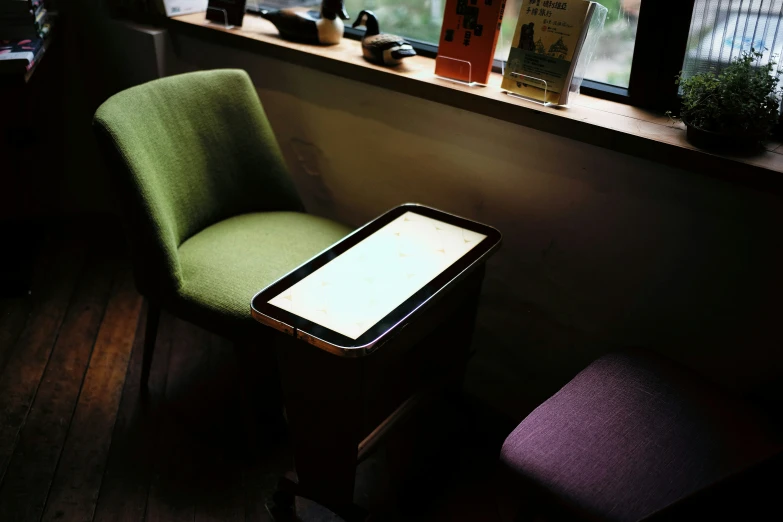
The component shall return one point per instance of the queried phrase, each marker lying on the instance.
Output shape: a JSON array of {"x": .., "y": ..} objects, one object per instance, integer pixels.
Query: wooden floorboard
[
  {"x": 13, "y": 317},
  {"x": 170, "y": 500},
  {"x": 173, "y": 488},
  {"x": 26, "y": 484},
  {"x": 126, "y": 480},
  {"x": 15, "y": 311},
  {"x": 77, "y": 482},
  {"x": 222, "y": 502},
  {"x": 259, "y": 484},
  {"x": 25, "y": 367}
]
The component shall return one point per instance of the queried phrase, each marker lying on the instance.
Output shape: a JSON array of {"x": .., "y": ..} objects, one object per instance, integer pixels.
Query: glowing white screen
[{"x": 358, "y": 288}]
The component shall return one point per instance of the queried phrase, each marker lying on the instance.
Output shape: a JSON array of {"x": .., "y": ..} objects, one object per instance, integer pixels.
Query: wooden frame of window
[{"x": 661, "y": 44}]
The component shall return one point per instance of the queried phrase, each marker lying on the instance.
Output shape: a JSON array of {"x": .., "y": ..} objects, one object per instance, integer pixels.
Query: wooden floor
[{"x": 78, "y": 445}]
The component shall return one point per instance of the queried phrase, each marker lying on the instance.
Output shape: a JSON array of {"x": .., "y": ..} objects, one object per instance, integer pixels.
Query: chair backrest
[{"x": 189, "y": 151}]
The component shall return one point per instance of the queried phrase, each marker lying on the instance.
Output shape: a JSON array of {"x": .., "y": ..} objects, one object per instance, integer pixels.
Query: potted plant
[{"x": 735, "y": 110}]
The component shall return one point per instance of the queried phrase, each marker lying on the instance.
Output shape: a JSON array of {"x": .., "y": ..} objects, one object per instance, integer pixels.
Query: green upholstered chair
[{"x": 211, "y": 213}]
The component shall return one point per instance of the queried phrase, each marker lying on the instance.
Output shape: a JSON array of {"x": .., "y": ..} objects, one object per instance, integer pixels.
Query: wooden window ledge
[{"x": 603, "y": 123}]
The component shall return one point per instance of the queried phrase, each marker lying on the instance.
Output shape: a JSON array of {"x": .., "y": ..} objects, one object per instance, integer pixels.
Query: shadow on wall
[
  {"x": 103, "y": 57},
  {"x": 601, "y": 250}
]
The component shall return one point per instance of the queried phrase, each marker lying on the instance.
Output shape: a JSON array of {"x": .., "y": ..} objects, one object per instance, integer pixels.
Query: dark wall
[{"x": 103, "y": 57}]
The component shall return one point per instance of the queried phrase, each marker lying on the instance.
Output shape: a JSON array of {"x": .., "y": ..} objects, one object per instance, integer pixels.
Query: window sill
[{"x": 591, "y": 120}]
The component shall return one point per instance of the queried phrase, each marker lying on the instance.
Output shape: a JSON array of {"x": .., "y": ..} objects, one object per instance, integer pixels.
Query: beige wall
[{"x": 601, "y": 250}]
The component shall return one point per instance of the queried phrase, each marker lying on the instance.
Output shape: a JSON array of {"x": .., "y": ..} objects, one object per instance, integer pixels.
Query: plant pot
[{"x": 744, "y": 143}]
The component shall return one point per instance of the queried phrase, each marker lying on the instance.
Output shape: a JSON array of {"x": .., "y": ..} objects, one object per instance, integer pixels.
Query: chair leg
[
  {"x": 150, "y": 335},
  {"x": 251, "y": 428},
  {"x": 261, "y": 394},
  {"x": 282, "y": 506}
]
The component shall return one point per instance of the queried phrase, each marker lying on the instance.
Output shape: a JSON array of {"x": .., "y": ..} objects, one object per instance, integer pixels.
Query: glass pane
[
  {"x": 721, "y": 29},
  {"x": 613, "y": 56},
  {"x": 419, "y": 19}
]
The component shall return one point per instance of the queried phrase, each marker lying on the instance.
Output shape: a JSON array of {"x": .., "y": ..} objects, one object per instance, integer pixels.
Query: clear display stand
[
  {"x": 539, "y": 83},
  {"x": 225, "y": 23},
  {"x": 461, "y": 67},
  {"x": 594, "y": 30}
]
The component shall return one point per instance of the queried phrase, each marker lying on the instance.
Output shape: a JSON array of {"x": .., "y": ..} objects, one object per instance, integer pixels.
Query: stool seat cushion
[
  {"x": 630, "y": 435},
  {"x": 226, "y": 264}
]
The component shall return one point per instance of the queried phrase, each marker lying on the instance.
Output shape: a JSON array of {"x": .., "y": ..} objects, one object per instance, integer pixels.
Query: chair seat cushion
[
  {"x": 630, "y": 435},
  {"x": 226, "y": 264}
]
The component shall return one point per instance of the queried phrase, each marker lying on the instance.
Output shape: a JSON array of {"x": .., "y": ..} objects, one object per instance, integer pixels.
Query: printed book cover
[
  {"x": 20, "y": 56},
  {"x": 468, "y": 39},
  {"x": 546, "y": 44}
]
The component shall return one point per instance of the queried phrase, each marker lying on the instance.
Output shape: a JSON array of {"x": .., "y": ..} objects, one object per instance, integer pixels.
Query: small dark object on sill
[
  {"x": 226, "y": 12},
  {"x": 739, "y": 143}
]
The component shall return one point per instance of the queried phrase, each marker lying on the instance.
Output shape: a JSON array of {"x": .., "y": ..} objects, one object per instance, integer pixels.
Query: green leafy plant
[{"x": 743, "y": 99}]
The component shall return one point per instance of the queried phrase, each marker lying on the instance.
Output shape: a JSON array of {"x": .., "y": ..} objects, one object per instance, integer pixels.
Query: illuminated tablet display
[{"x": 358, "y": 288}]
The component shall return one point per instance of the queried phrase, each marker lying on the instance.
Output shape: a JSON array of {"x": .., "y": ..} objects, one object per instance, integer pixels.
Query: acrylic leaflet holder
[
  {"x": 455, "y": 70},
  {"x": 594, "y": 30},
  {"x": 538, "y": 83},
  {"x": 554, "y": 90},
  {"x": 221, "y": 13},
  {"x": 226, "y": 13}
]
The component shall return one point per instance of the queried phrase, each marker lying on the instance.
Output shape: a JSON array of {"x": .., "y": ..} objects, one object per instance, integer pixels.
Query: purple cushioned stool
[{"x": 635, "y": 436}]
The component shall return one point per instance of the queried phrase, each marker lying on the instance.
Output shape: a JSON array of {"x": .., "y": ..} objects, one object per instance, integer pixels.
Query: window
[
  {"x": 720, "y": 31},
  {"x": 421, "y": 20},
  {"x": 644, "y": 45},
  {"x": 613, "y": 57},
  {"x": 416, "y": 19}
]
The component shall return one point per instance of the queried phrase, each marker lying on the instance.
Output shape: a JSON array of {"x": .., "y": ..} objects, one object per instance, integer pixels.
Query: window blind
[{"x": 722, "y": 29}]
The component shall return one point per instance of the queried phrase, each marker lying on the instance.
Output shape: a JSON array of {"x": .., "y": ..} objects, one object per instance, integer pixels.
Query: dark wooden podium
[
  {"x": 339, "y": 409},
  {"x": 340, "y": 404}
]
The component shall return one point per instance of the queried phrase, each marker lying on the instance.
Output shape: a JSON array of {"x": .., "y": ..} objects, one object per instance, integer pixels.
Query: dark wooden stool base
[
  {"x": 282, "y": 507},
  {"x": 340, "y": 408}
]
